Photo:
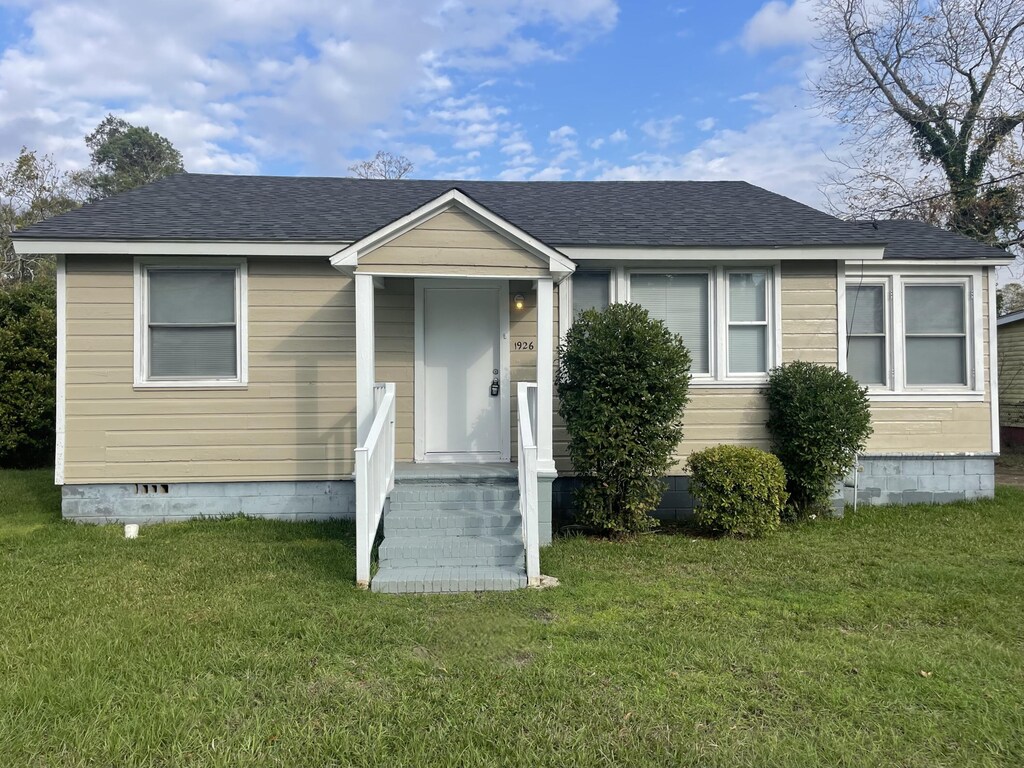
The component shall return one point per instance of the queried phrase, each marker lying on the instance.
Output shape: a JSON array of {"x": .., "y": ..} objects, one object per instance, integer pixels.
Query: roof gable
[{"x": 455, "y": 224}]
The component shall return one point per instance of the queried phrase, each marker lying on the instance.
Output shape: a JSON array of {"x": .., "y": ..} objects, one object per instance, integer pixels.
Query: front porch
[{"x": 456, "y": 311}]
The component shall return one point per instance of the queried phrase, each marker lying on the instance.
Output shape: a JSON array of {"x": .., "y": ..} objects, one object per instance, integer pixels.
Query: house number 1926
[{"x": 521, "y": 345}]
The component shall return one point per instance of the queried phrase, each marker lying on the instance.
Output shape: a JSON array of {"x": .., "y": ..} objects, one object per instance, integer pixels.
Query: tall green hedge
[
  {"x": 819, "y": 419},
  {"x": 28, "y": 351},
  {"x": 623, "y": 380}
]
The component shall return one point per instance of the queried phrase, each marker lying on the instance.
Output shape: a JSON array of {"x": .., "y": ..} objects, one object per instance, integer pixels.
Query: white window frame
[
  {"x": 886, "y": 285},
  {"x": 141, "y": 335},
  {"x": 728, "y": 322},
  {"x": 718, "y": 321},
  {"x": 897, "y": 389}
]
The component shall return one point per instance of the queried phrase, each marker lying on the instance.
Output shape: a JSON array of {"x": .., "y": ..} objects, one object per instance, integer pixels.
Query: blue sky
[{"x": 504, "y": 89}]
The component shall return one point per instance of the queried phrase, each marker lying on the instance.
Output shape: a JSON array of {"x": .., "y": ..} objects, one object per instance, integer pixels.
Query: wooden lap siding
[
  {"x": 937, "y": 427},
  {"x": 295, "y": 420},
  {"x": 1011, "y": 374},
  {"x": 452, "y": 242}
]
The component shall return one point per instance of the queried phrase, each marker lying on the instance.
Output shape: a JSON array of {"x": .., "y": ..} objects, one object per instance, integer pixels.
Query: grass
[{"x": 891, "y": 637}]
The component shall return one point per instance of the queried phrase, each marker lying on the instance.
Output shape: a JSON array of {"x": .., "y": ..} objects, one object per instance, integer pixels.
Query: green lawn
[{"x": 891, "y": 637}]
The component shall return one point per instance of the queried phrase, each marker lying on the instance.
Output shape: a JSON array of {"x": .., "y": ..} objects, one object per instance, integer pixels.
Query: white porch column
[
  {"x": 545, "y": 374},
  {"x": 366, "y": 373}
]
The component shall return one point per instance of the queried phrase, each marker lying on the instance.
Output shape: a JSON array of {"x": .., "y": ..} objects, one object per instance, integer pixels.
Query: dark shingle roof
[
  {"x": 920, "y": 240},
  {"x": 266, "y": 208}
]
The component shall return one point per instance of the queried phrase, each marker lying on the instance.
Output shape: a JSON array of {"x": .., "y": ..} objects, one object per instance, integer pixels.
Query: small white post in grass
[{"x": 131, "y": 531}]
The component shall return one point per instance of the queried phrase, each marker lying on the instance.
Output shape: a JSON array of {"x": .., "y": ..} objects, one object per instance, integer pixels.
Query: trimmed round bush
[
  {"x": 623, "y": 379},
  {"x": 737, "y": 490},
  {"x": 819, "y": 419}
]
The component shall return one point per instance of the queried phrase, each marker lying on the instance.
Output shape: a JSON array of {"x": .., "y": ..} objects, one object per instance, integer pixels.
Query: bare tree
[
  {"x": 934, "y": 95},
  {"x": 32, "y": 188},
  {"x": 384, "y": 165}
]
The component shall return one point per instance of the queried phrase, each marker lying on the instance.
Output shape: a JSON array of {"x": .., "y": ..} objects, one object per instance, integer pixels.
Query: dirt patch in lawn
[{"x": 1010, "y": 468}]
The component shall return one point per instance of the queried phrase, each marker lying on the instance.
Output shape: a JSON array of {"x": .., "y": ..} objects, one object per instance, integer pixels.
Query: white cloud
[
  {"x": 306, "y": 82},
  {"x": 707, "y": 124},
  {"x": 596, "y": 143},
  {"x": 662, "y": 130},
  {"x": 784, "y": 150},
  {"x": 779, "y": 23},
  {"x": 618, "y": 136}
]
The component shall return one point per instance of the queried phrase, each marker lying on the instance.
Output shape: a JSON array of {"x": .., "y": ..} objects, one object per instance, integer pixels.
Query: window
[
  {"x": 866, "y": 352},
  {"x": 589, "y": 291},
  {"x": 936, "y": 335},
  {"x": 682, "y": 302},
  {"x": 190, "y": 325},
  {"x": 748, "y": 322},
  {"x": 725, "y": 316},
  {"x": 909, "y": 335}
]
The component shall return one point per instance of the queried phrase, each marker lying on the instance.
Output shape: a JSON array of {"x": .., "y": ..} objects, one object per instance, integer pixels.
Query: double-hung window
[
  {"x": 867, "y": 352},
  {"x": 935, "y": 328},
  {"x": 911, "y": 335},
  {"x": 725, "y": 317},
  {"x": 590, "y": 290},
  {"x": 748, "y": 322},
  {"x": 190, "y": 324}
]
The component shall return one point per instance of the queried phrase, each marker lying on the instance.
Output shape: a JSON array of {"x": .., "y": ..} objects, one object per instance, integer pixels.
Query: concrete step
[
  {"x": 404, "y": 552},
  {"x": 453, "y": 492},
  {"x": 448, "y": 579},
  {"x": 452, "y": 523},
  {"x": 507, "y": 506}
]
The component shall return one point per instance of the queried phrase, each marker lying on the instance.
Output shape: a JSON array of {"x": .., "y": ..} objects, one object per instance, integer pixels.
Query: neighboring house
[
  {"x": 276, "y": 346},
  {"x": 1010, "y": 330}
]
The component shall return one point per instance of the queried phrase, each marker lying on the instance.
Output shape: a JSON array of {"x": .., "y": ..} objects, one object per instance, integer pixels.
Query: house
[
  {"x": 1010, "y": 332},
  {"x": 315, "y": 347}
]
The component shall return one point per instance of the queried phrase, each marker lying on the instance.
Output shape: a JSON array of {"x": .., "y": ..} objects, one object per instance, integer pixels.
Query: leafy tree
[
  {"x": 384, "y": 165},
  {"x": 1010, "y": 298},
  {"x": 125, "y": 156},
  {"x": 32, "y": 188},
  {"x": 933, "y": 94},
  {"x": 28, "y": 341},
  {"x": 623, "y": 380}
]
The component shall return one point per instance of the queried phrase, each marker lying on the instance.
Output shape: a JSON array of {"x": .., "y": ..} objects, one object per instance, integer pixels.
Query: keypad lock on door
[{"x": 495, "y": 385}]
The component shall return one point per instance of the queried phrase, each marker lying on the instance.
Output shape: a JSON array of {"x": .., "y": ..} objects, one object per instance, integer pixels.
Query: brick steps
[{"x": 452, "y": 534}]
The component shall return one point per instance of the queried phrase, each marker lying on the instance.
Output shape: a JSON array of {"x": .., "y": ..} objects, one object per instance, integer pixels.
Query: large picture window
[
  {"x": 682, "y": 302},
  {"x": 190, "y": 324}
]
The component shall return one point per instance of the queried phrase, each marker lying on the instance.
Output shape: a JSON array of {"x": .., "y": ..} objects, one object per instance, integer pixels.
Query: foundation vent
[{"x": 145, "y": 489}]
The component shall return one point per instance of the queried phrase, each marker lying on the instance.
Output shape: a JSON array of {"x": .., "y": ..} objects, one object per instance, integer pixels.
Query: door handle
[{"x": 495, "y": 386}]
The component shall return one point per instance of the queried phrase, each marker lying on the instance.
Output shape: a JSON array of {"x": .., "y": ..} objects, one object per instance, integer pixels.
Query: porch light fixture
[{"x": 518, "y": 302}]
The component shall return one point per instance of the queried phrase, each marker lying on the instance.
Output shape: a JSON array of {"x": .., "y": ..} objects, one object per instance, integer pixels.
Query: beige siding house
[{"x": 385, "y": 351}]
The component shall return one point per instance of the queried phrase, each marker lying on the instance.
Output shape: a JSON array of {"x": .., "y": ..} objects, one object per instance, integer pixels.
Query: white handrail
[
  {"x": 527, "y": 469},
  {"x": 375, "y": 477}
]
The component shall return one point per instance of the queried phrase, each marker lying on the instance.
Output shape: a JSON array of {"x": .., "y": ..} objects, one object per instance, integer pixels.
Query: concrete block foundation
[
  {"x": 169, "y": 502},
  {"x": 882, "y": 479}
]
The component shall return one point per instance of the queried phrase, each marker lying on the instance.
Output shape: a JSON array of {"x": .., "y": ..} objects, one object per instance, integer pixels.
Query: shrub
[
  {"x": 28, "y": 342},
  {"x": 819, "y": 420},
  {"x": 622, "y": 381},
  {"x": 737, "y": 490}
]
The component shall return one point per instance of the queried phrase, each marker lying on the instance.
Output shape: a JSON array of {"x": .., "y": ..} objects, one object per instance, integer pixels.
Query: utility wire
[{"x": 980, "y": 184}]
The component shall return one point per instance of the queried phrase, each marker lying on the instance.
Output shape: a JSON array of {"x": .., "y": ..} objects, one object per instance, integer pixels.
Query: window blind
[
  {"x": 681, "y": 301},
  {"x": 589, "y": 291},
  {"x": 192, "y": 324}
]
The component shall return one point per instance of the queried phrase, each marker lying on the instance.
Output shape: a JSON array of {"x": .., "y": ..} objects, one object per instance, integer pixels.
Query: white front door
[{"x": 461, "y": 379}]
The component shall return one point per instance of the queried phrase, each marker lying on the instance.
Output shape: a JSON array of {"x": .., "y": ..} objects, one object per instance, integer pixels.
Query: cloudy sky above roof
[{"x": 494, "y": 89}]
